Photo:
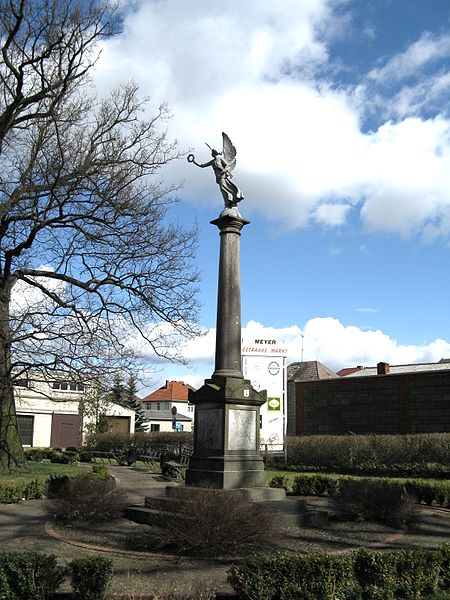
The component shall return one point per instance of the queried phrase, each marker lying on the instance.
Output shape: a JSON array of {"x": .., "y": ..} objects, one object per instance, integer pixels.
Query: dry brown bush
[
  {"x": 90, "y": 498},
  {"x": 375, "y": 500},
  {"x": 212, "y": 522}
]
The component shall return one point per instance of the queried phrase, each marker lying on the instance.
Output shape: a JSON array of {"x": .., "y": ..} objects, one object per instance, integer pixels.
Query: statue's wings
[{"x": 228, "y": 152}]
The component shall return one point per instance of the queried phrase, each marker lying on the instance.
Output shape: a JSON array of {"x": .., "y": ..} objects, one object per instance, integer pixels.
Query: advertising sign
[{"x": 264, "y": 363}]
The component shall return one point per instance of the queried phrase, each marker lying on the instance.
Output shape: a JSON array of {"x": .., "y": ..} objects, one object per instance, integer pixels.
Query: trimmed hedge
[
  {"x": 420, "y": 451},
  {"x": 323, "y": 485},
  {"x": 366, "y": 574},
  {"x": 37, "y": 576},
  {"x": 29, "y": 576},
  {"x": 91, "y": 577},
  {"x": 23, "y": 490}
]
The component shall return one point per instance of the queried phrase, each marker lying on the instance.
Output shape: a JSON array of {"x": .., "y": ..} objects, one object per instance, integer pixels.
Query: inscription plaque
[
  {"x": 241, "y": 429},
  {"x": 209, "y": 429}
]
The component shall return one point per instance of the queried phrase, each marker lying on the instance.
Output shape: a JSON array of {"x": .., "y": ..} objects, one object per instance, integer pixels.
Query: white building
[
  {"x": 49, "y": 412},
  {"x": 159, "y": 408},
  {"x": 264, "y": 363}
]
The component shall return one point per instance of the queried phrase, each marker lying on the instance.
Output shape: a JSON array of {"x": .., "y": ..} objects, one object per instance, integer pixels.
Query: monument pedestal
[{"x": 226, "y": 435}]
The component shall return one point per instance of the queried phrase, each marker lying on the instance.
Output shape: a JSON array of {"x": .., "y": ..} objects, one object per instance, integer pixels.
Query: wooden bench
[
  {"x": 174, "y": 468},
  {"x": 109, "y": 456},
  {"x": 150, "y": 459}
]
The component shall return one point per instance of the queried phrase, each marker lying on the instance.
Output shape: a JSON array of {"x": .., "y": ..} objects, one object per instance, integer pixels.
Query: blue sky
[{"x": 339, "y": 112}]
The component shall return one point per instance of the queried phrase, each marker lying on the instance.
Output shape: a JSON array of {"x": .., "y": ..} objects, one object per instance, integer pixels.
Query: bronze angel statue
[{"x": 223, "y": 164}]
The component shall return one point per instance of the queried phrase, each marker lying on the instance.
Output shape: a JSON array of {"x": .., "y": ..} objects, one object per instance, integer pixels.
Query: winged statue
[{"x": 223, "y": 164}]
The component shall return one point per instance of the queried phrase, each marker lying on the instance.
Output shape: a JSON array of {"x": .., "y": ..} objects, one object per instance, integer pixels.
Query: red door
[{"x": 66, "y": 431}]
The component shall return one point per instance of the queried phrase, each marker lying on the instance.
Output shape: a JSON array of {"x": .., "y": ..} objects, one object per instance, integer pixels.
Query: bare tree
[{"x": 87, "y": 251}]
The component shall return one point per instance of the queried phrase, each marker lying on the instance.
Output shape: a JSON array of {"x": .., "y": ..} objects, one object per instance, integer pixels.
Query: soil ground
[{"x": 26, "y": 526}]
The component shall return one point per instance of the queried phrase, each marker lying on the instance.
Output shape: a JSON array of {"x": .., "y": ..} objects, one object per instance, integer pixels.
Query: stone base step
[{"x": 290, "y": 513}]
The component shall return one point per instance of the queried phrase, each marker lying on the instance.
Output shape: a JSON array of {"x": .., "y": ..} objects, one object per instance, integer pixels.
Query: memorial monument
[{"x": 226, "y": 432}]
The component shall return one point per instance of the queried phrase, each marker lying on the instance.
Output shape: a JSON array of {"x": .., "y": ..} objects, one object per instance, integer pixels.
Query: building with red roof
[{"x": 158, "y": 406}]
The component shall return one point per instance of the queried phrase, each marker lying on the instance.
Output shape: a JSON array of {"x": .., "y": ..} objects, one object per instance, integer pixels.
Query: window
[
  {"x": 154, "y": 426},
  {"x": 64, "y": 385},
  {"x": 190, "y": 408},
  {"x": 158, "y": 406},
  {"x": 25, "y": 425},
  {"x": 167, "y": 405},
  {"x": 21, "y": 382}
]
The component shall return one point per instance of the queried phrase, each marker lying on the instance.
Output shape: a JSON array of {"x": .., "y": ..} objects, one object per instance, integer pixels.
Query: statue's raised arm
[{"x": 223, "y": 164}]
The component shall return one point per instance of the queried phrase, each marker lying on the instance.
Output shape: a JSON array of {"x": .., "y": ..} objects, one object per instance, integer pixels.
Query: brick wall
[{"x": 383, "y": 404}]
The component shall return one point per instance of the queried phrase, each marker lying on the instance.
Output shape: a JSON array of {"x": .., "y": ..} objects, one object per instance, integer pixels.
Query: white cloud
[
  {"x": 419, "y": 54},
  {"x": 253, "y": 70},
  {"x": 324, "y": 339},
  {"x": 332, "y": 215}
]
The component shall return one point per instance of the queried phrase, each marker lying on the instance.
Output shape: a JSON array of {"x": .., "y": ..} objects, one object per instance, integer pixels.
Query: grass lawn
[{"x": 33, "y": 470}]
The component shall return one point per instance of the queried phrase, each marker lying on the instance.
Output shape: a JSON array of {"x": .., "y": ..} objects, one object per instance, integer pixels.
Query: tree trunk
[{"x": 11, "y": 452}]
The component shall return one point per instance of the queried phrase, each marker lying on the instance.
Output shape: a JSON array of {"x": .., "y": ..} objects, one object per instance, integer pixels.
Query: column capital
[{"x": 230, "y": 221}]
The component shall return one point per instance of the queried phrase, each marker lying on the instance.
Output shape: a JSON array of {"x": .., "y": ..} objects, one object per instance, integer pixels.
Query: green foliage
[
  {"x": 89, "y": 497},
  {"x": 364, "y": 575},
  {"x": 376, "y": 574},
  {"x": 290, "y": 576},
  {"x": 383, "y": 455},
  {"x": 36, "y": 454},
  {"x": 445, "y": 565},
  {"x": 21, "y": 490},
  {"x": 324, "y": 485},
  {"x": 377, "y": 500},
  {"x": 85, "y": 455},
  {"x": 56, "y": 486},
  {"x": 429, "y": 493},
  {"x": 29, "y": 576},
  {"x": 417, "y": 572},
  {"x": 280, "y": 481},
  {"x": 91, "y": 577},
  {"x": 315, "y": 485},
  {"x": 65, "y": 458},
  {"x": 100, "y": 470}
]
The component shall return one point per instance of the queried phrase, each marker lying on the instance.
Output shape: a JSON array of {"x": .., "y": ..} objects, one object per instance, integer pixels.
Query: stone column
[
  {"x": 228, "y": 330},
  {"x": 226, "y": 430}
]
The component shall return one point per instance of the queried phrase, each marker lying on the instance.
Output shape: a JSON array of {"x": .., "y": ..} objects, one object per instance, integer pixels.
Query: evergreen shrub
[
  {"x": 22, "y": 490},
  {"x": 315, "y": 485},
  {"x": 36, "y": 454},
  {"x": 292, "y": 576},
  {"x": 91, "y": 576},
  {"x": 280, "y": 481},
  {"x": 363, "y": 575},
  {"x": 29, "y": 576},
  {"x": 67, "y": 457},
  {"x": 445, "y": 565},
  {"x": 417, "y": 572},
  {"x": 417, "y": 453}
]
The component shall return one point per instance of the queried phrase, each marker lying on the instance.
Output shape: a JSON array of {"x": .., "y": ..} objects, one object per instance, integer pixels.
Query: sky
[{"x": 340, "y": 116}]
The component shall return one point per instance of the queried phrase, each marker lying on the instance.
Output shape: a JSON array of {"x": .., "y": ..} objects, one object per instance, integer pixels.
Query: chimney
[{"x": 383, "y": 368}]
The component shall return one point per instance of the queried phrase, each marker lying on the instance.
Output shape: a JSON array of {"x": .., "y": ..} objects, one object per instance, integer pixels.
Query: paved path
[{"x": 22, "y": 524}]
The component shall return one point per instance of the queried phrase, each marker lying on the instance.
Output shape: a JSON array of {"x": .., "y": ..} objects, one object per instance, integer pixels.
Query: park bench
[
  {"x": 173, "y": 468},
  {"x": 150, "y": 458},
  {"x": 109, "y": 456},
  {"x": 112, "y": 452}
]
